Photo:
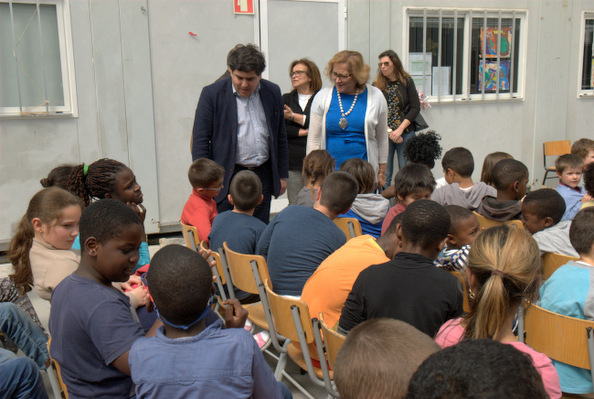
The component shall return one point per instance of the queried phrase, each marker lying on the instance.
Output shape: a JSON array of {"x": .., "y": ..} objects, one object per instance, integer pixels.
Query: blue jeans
[
  {"x": 20, "y": 379},
  {"x": 17, "y": 326},
  {"x": 399, "y": 149}
]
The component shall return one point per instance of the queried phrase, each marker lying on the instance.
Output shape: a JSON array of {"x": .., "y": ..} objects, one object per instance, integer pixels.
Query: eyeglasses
[
  {"x": 381, "y": 64},
  {"x": 298, "y": 73},
  {"x": 340, "y": 77}
]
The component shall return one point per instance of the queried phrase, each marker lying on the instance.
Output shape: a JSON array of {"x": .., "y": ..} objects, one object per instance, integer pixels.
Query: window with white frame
[
  {"x": 456, "y": 54},
  {"x": 587, "y": 54},
  {"x": 36, "y": 66}
]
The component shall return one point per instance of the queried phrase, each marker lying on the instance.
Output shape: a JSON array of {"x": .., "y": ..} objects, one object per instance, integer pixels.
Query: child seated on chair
[
  {"x": 91, "y": 323},
  {"x": 541, "y": 215},
  {"x": 458, "y": 165},
  {"x": 239, "y": 228},
  {"x": 188, "y": 358},
  {"x": 378, "y": 359},
  {"x": 568, "y": 292},
  {"x": 413, "y": 182},
  {"x": 509, "y": 178},
  {"x": 569, "y": 170},
  {"x": 464, "y": 227},
  {"x": 206, "y": 177},
  {"x": 584, "y": 148},
  {"x": 369, "y": 208},
  {"x": 316, "y": 166}
]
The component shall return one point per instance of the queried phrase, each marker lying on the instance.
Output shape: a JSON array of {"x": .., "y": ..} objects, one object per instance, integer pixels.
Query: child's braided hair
[{"x": 94, "y": 180}]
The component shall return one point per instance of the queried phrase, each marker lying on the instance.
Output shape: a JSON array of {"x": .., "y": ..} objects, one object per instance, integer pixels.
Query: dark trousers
[{"x": 264, "y": 172}]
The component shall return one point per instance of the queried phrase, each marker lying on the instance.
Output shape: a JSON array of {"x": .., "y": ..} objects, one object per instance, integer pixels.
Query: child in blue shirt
[
  {"x": 91, "y": 323},
  {"x": 569, "y": 292},
  {"x": 187, "y": 358},
  {"x": 569, "y": 170}
]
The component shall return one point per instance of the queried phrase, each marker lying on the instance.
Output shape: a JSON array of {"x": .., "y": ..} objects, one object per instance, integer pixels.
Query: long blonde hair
[
  {"x": 46, "y": 205},
  {"x": 506, "y": 263}
]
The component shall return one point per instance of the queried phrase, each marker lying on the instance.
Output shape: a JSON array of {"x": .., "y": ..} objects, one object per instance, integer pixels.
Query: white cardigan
[{"x": 376, "y": 124}]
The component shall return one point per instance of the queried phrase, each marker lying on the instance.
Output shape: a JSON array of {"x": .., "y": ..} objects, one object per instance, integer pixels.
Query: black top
[
  {"x": 408, "y": 288},
  {"x": 296, "y": 144},
  {"x": 403, "y": 103}
]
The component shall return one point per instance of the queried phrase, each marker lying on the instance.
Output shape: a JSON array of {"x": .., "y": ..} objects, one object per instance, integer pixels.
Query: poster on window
[
  {"x": 489, "y": 75},
  {"x": 419, "y": 64},
  {"x": 491, "y": 46}
]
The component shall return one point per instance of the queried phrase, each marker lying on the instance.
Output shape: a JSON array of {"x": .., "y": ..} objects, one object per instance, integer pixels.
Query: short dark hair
[
  {"x": 245, "y": 190},
  {"x": 412, "y": 179},
  {"x": 581, "y": 232},
  {"x": 588, "y": 178},
  {"x": 246, "y": 58},
  {"x": 394, "y": 223},
  {"x": 568, "y": 161},
  {"x": 378, "y": 358},
  {"x": 425, "y": 223},
  {"x": 203, "y": 172},
  {"x": 544, "y": 203},
  {"x": 582, "y": 147},
  {"x": 180, "y": 283},
  {"x": 423, "y": 148},
  {"x": 460, "y": 160},
  {"x": 458, "y": 215},
  {"x": 508, "y": 171},
  {"x": 363, "y": 173},
  {"x": 105, "y": 219},
  {"x": 339, "y": 190},
  {"x": 477, "y": 368}
]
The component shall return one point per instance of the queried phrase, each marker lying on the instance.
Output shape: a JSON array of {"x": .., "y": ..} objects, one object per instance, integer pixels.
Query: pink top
[
  {"x": 199, "y": 212},
  {"x": 395, "y": 210},
  {"x": 452, "y": 332}
]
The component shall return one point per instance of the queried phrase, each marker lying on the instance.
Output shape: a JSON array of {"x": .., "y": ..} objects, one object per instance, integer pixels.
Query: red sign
[{"x": 243, "y": 6}]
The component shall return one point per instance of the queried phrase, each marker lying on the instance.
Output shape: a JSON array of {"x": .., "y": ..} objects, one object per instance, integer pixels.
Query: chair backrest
[
  {"x": 554, "y": 148},
  {"x": 281, "y": 309},
  {"x": 241, "y": 269},
  {"x": 332, "y": 339},
  {"x": 466, "y": 292},
  {"x": 486, "y": 223},
  {"x": 58, "y": 372},
  {"x": 551, "y": 261},
  {"x": 561, "y": 338},
  {"x": 220, "y": 273},
  {"x": 190, "y": 236},
  {"x": 349, "y": 226}
]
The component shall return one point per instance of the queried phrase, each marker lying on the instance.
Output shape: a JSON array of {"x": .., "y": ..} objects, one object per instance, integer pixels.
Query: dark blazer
[
  {"x": 215, "y": 130},
  {"x": 297, "y": 144}
]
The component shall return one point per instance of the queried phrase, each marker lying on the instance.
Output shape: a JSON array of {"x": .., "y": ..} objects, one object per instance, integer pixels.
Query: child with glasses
[{"x": 206, "y": 177}]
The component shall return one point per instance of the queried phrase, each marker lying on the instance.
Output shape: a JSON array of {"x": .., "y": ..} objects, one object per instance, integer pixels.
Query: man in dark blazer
[{"x": 239, "y": 124}]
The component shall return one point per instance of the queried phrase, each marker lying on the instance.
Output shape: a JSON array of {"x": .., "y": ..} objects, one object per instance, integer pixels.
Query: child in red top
[{"x": 206, "y": 177}]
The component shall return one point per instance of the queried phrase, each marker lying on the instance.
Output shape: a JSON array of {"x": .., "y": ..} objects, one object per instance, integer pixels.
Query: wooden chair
[
  {"x": 56, "y": 378},
  {"x": 332, "y": 340},
  {"x": 550, "y": 149},
  {"x": 552, "y": 261},
  {"x": 486, "y": 223},
  {"x": 292, "y": 320},
  {"x": 565, "y": 339},
  {"x": 466, "y": 292},
  {"x": 245, "y": 273},
  {"x": 349, "y": 226},
  {"x": 190, "y": 236}
]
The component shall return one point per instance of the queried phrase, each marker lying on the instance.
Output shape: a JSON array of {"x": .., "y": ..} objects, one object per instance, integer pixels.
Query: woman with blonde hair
[
  {"x": 503, "y": 273},
  {"x": 349, "y": 119},
  {"x": 403, "y": 107}
]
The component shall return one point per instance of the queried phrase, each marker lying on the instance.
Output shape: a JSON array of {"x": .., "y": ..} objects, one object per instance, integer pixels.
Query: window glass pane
[
  {"x": 436, "y": 76},
  {"x": 33, "y": 58},
  {"x": 587, "y": 76},
  {"x": 484, "y": 67}
]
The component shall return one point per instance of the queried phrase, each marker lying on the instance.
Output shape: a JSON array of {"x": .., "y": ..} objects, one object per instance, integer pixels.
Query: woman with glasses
[
  {"x": 403, "y": 106},
  {"x": 349, "y": 119},
  {"x": 306, "y": 81}
]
